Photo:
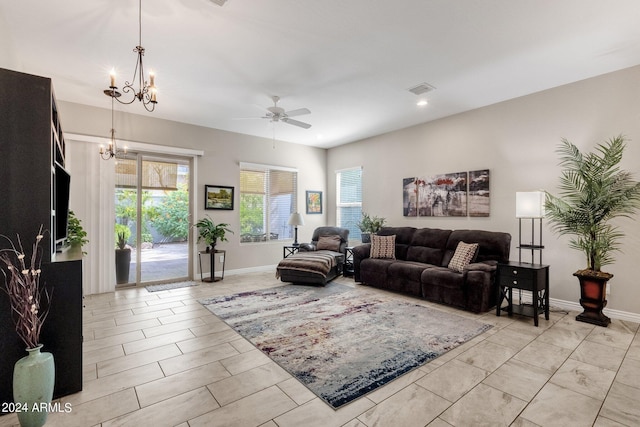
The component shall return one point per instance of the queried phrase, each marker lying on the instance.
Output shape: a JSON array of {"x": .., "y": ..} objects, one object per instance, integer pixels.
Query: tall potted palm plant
[{"x": 593, "y": 191}]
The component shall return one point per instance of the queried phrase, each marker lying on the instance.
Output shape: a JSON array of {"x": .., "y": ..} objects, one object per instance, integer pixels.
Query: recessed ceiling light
[{"x": 422, "y": 103}]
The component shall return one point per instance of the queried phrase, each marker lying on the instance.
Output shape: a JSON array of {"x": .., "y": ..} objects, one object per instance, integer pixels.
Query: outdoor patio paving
[{"x": 162, "y": 262}]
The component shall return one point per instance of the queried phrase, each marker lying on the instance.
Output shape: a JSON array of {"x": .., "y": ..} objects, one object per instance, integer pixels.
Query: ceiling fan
[{"x": 277, "y": 114}]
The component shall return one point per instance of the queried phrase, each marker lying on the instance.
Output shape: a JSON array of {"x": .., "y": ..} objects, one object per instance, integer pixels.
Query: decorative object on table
[
  {"x": 369, "y": 225},
  {"x": 218, "y": 197},
  {"x": 314, "y": 202},
  {"x": 593, "y": 191},
  {"x": 530, "y": 205},
  {"x": 34, "y": 374},
  {"x": 296, "y": 219},
  {"x": 211, "y": 232},
  {"x": 373, "y": 339},
  {"x": 123, "y": 254},
  {"x": 76, "y": 235},
  {"x": 146, "y": 92}
]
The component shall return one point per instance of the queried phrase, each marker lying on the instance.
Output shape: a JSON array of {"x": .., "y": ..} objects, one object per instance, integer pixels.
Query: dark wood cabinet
[
  {"x": 32, "y": 151},
  {"x": 527, "y": 277}
]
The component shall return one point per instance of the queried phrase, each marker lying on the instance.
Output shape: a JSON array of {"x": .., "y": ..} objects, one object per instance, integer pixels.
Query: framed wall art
[
  {"x": 479, "y": 193},
  {"x": 314, "y": 202},
  {"x": 218, "y": 197}
]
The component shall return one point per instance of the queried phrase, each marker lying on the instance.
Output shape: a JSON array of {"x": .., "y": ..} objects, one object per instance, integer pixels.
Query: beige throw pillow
[
  {"x": 383, "y": 246},
  {"x": 329, "y": 243},
  {"x": 464, "y": 254}
]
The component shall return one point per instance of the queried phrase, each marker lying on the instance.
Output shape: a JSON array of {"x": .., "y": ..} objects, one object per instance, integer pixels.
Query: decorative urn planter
[{"x": 593, "y": 291}]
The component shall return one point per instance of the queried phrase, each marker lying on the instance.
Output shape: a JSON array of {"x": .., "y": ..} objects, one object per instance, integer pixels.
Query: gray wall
[{"x": 516, "y": 140}]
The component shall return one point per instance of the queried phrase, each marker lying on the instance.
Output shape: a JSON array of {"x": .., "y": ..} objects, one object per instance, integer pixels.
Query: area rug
[
  {"x": 168, "y": 286},
  {"x": 341, "y": 342}
]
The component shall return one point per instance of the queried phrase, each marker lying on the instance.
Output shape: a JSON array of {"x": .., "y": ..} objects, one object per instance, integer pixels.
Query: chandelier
[
  {"x": 146, "y": 92},
  {"x": 112, "y": 149}
]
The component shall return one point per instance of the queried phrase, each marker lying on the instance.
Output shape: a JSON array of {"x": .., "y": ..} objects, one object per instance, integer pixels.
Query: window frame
[
  {"x": 340, "y": 205},
  {"x": 268, "y": 202}
]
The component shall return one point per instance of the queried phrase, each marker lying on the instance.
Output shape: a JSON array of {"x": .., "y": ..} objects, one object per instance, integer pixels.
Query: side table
[
  {"x": 288, "y": 250},
  {"x": 528, "y": 277},
  {"x": 212, "y": 254},
  {"x": 348, "y": 262}
]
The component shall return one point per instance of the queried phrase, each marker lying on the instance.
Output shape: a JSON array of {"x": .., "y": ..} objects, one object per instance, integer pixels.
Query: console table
[
  {"x": 528, "y": 277},
  {"x": 212, "y": 254}
]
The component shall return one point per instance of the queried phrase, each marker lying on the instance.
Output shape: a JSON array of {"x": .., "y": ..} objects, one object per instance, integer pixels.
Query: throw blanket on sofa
[{"x": 319, "y": 262}]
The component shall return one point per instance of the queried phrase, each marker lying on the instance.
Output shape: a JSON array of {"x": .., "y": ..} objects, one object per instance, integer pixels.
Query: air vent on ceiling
[
  {"x": 219, "y": 2},
  {"x": 421, "y": 88}
]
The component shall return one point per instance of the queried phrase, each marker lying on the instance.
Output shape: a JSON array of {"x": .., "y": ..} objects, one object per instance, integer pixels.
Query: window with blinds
[
  {"x": 267, "y": 200},
  {"x": 349, "y": 200}
]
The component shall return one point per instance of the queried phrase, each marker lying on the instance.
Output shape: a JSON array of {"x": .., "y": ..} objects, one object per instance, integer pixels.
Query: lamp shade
[
  {"x": 530, "y": 204},
  {"x": 296, "y": 219}
]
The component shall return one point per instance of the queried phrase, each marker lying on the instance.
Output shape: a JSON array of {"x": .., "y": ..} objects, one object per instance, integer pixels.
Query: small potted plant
[
  {"x": 76, "y": 235},
  {"x": 123, "y": 254},
  {"x": 211, "y": 232},
  {"x": 369, "y": 225},
  {"x": 593, "y": 191}
]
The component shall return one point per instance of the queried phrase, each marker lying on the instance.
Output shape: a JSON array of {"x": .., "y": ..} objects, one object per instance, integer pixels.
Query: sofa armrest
[
  {"x": 307, "y": 247},
  {"x": 359, "y": 253},
  {"x": 488, "y": 266}
]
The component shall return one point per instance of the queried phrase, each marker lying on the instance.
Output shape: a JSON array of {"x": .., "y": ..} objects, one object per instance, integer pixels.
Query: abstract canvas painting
[
  {"x": 442, "y": 195},
  {"x": 479, "y": 193}
]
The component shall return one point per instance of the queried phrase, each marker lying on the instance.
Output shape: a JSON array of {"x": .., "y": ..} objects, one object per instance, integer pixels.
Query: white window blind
[
  {"x": 349, "y": 200},
  {"x": 268, "y": 197}
]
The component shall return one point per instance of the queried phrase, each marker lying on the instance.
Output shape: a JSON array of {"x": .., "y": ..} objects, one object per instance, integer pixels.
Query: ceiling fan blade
[
  {"x": 296, "y": 123},
  {"x": 298, "y": 112}
]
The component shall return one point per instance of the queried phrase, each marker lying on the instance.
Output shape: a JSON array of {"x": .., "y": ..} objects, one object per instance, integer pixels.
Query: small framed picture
[
  {"x": 218, "y": 197},
  {"x": 314, "y": 202}
]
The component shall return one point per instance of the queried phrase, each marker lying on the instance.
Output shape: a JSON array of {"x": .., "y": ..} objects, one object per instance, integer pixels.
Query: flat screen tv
[{"x": 62, "y": 183}]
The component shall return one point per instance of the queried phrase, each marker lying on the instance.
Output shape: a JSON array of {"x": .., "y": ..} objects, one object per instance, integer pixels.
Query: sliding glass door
[{"x": 152, "y": 218}]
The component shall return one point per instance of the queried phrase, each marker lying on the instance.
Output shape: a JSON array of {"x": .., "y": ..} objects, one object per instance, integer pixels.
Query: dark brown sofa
[{"x": 421, "y": 266}]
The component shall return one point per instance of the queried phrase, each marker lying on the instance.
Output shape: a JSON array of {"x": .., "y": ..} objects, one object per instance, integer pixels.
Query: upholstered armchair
[
  {"x": 319, "y": 261},
  {"x": 335, "y": 239}
]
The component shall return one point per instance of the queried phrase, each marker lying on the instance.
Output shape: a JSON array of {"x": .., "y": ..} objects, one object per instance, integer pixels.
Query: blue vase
[{"x": 33, "y": 380}]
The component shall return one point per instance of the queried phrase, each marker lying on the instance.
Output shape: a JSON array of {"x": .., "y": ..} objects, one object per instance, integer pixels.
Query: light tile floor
[{"x": 161, "y": 359}]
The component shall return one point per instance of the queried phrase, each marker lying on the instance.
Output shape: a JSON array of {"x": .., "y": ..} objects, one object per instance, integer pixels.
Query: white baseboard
[
  {"x": 614, "y": 314},
  {"x": 575, "y": 306},
  {"x": 259, "y": 269}
]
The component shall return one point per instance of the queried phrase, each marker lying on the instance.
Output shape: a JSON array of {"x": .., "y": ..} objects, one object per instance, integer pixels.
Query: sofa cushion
[
  {"x": 330, "y": 243},
  {"x": 404, "y": 235},
  {"x": 493, "y": 245},
  {"x": 464, "y": 255},
  {"x": 427, "y": 245},
  {"x": 383, "y": 246}
]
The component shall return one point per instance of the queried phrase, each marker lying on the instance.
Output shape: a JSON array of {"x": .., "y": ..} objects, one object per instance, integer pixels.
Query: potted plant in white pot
[
  {"x": 593, "y": 191},
  {"x": 369, "y": 225}
]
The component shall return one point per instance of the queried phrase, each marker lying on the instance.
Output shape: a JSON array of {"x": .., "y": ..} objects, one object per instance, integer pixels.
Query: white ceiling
[{"x": 351, "y": 62}]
